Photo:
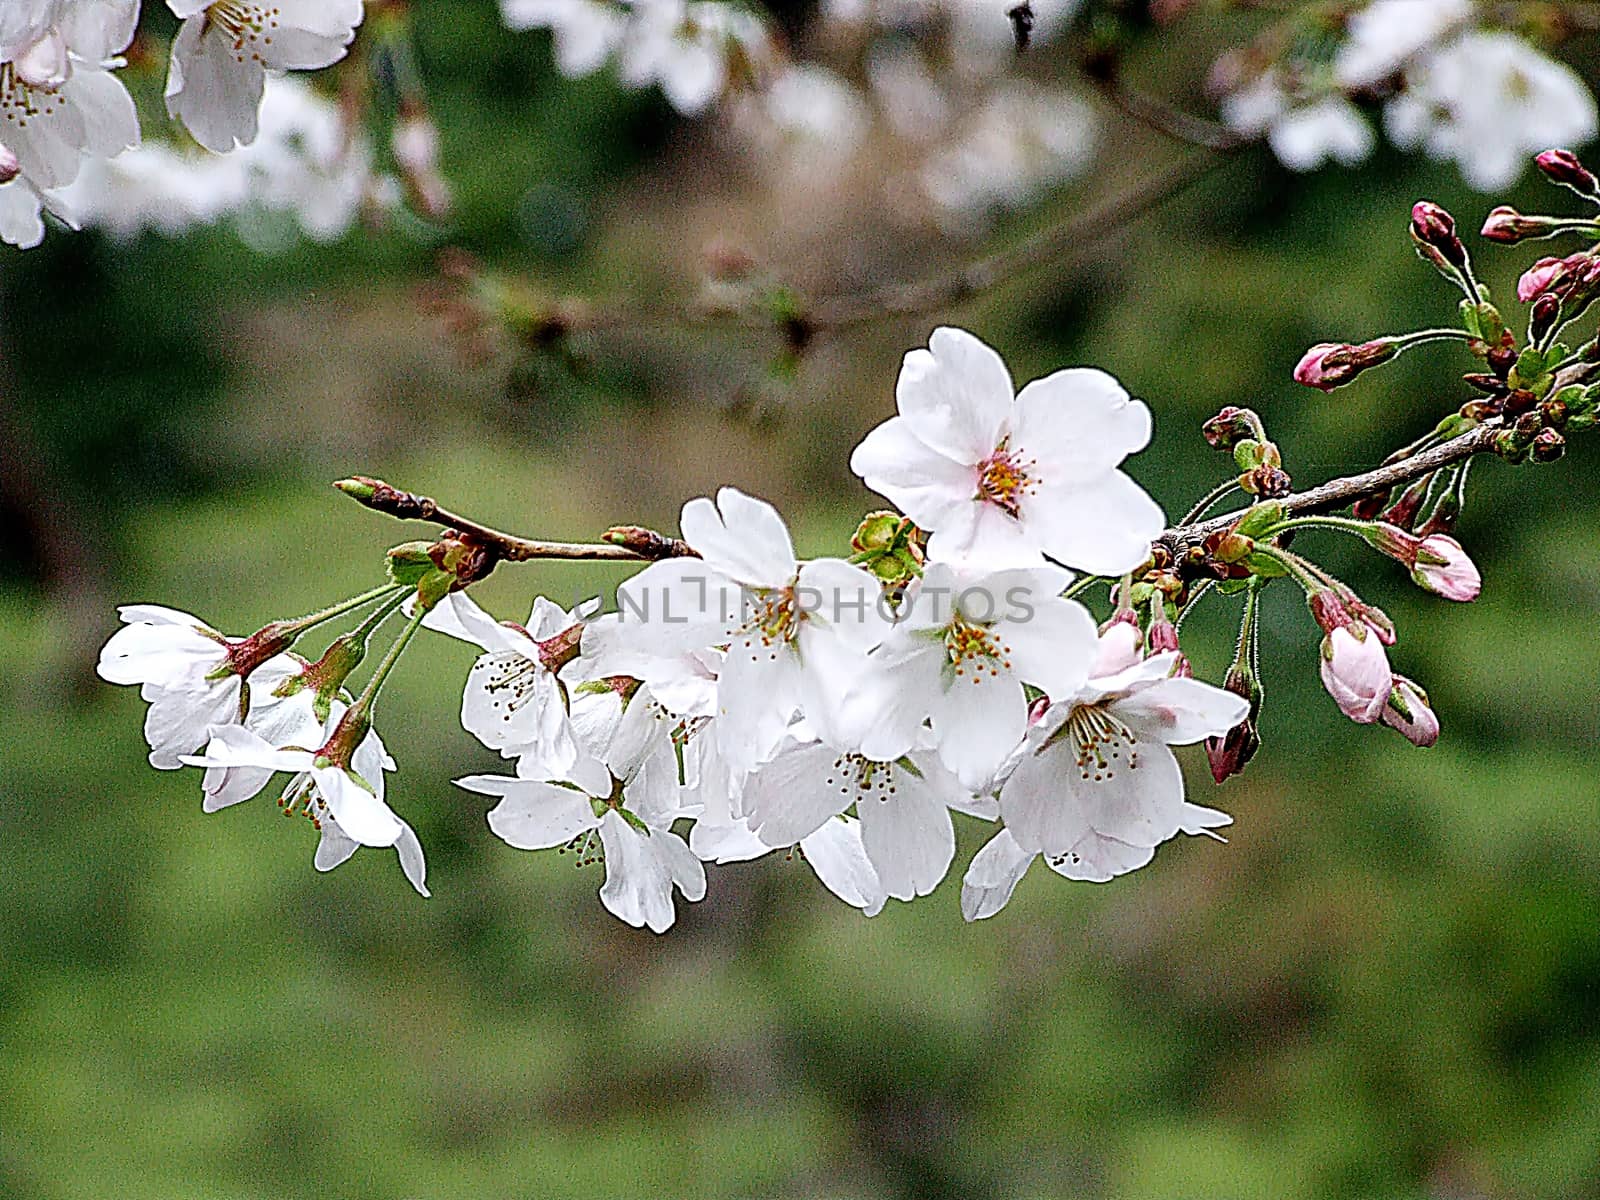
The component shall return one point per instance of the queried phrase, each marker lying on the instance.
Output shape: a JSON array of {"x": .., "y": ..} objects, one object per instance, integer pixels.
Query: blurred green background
[{"x": 1387, "y": 984}]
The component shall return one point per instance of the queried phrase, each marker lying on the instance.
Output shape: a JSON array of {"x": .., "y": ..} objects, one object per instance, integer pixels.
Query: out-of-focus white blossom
[
  {"x": 1382, "y": 37},
  {"x": 1489, "y": 101},
  {"x": 692, "y": 49},
  {"x": 303, "y": 164},
  {"x": 1304, "y": 133},
  {"x": 1022, "y": 141}
]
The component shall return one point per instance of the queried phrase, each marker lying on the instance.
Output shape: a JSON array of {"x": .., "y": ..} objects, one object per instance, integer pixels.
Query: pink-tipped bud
[
  {"x": 10, "y": 168},
  {"x": 1442, "y": 567},
  {"x": 1355, "y": 670},
  {"x": 1328, "y": 365},
  {"x": 1508, "y": 226},
  {"x": 1548, "y": 274},
  {"x": 1409, "y": 712},
  {"x": 1433, "y": 227},
  {"x": 1228, "y": 755},
  {"x": 1121, "y": 645},
  {"x": 1163, "y": 636},
  {"x": 1563, "y": 167},
  {"x": 1037, "y": 710}
]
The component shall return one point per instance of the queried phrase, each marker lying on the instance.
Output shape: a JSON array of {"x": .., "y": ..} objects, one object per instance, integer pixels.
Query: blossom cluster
[
  {"x": 738, "y": 701},
  {"x": 1483, "y": 98},
  {"x": 842, "y": 708}
]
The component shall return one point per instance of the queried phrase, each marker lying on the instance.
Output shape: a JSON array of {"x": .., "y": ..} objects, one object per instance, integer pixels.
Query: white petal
[
  {"x": 993, "y": 875},
  {"x": 790, "y": 797},
  {"x": 742, "y": 537},
  {"x": 1181, "y": 711},
  {"x": 836, "y": 854},
  {"x": 1098, "y": 858},
  {"x": 977, "y": 722},
  {"x": 956, "y": 395},
  {"x": 1104, "y": 526},
  {"x": 908, "y": 836},
  {"x": 359, "y": 811},
  {"x": 533, "y": 815},
  {"x": 923, "y": 483},
  {"x": 1078, "y": 424}
]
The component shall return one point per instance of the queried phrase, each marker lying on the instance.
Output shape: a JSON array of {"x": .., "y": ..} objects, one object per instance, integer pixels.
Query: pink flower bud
[
  {"x": 1537, "y": 278},
  {"x": 1563, "y": 167},
  {"x": 1508, "y": 226},
  {"x": 1408, "y": 711},
  {"x": 1355, "y": 670},
  {"x": 1328, "y": 365},
  {"x": 1120, "y": 646},
  {"x": 1443, "y": 568},
  {"x": 10, "y": 168},
  {"x": 1037, "y": 710},
  {"x": 1432, "y": 226}
]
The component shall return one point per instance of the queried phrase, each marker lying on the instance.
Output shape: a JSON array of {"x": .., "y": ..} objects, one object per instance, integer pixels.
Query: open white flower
[
  {"x": 904, "y": 808},
  {"x": 999, "y": 479},
  {"x": 797, "y": 635},
  {"x": 514, "y": 702},
  {"x": 958, "y": 656},
  {"x": 1490, "y": 101},
  {"x": 224, "y": 49},
  {"x": 623, "y": 794},
  {"x": 58, "y": 97},
  {"x": 194, "y": 678},
  {"x": 1096, "y": 787},
  {"x": 339, "y": 787}
]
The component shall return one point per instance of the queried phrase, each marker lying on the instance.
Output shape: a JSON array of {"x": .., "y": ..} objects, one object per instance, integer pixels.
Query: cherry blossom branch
[
  {"x": 1158, "y": 115},
  {"x": 623, "y": 543},
  {"x": 1336, "y": 493},
  {"x": 1053, "y": 242}
]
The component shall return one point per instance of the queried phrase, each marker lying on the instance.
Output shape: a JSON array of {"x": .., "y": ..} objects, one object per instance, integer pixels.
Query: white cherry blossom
[
  {"x": 1304, "y": 132},
  {"x": 339, "y": 789},
  {"x": 796, "y": 634},
  {"x": 514, "y": 702},
  {"x": 1096, "y": 787},
  {"x": 1382, "y": 37},
  {"x": 691, "y": 49},
  {"x": 1490, "y": 101},
  {"x": 224, "y": 49},
  {"x": 904, "y": 808},
  {"x": 189, "y": 674},
  {"x": 833, "y": 850},
  {"x": 623, "y": 794},
  {"x": 1000, "y": 479},
  {"x": 964, "y": 645},
  {"x": 58, "y": 97}
]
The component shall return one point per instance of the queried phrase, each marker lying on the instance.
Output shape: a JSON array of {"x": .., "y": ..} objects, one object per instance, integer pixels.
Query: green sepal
[
  {"x": 1267, "y": 566},
  {"x": 1259, "y": 519}
]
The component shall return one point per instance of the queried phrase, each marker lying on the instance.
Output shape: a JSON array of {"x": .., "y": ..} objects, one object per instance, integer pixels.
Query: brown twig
[
  {"x": 623, "y": 543},
  {"x": 1165, "y": 119},
  {"x": 1337, "y": 493},
  {"x": 631, "y": 543},
  {"x": 1077, "y": 232}
]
